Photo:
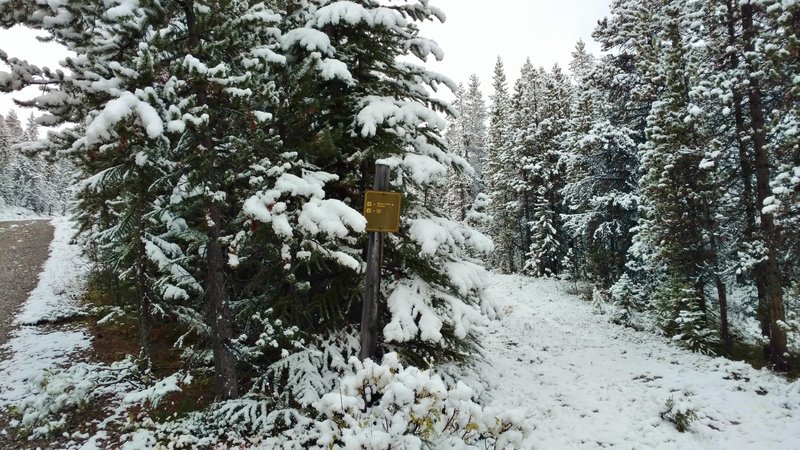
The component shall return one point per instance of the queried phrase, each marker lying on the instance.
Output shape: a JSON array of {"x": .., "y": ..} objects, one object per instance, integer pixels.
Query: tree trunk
[
  {"x": 771, "y": 234},
  {"x": 218, "y": 316},
  {"x": 145, "y": 313},
  {"x": 746, "y": 168},
  {"x": 527, "y": 237},
  {"x": 218, "y": 313},
  {"x": 722, "y": 291},
  {"x": 372, "y": 288}
]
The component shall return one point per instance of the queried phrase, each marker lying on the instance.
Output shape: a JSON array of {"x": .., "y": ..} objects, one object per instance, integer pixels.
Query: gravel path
[{"x": 23, "y": 251}]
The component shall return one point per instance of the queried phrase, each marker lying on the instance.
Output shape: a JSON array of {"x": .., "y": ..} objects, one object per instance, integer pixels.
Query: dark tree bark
[
  {"x": 218, "y": 316},
  {"x": 372, "y": 288},
  {"x": 770, "y": 232},
  {"x": 142, "y": 290},
  {"x": 722, "y": 290},
  {"x": 746, "y": 172},
  {"x": 218, "y": 313}
]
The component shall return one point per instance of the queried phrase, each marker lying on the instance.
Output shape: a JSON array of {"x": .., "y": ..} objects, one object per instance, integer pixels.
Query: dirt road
[{"x": 24, "y": 248}]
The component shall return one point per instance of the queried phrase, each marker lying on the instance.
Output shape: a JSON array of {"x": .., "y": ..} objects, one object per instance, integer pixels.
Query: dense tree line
[
  {"x": 665, "y": 172},
  {"x": 29, "y": 179}
]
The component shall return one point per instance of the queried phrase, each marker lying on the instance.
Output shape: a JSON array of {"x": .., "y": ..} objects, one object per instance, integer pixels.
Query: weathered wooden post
[{"x": 382, "y": 210}]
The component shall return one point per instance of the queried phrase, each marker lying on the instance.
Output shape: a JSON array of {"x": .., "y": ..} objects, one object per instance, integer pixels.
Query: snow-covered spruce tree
[
  {"x": 27, "y": 179},
  {"x": 600, "y": 169},
  {"x": 678, "y": 192},
  {"x": 499, "y": 174},
  {"x": 454, "y": 194},
  {"x": 601, "y": 197},
  {"x": 783, "y": 106},
  {"x": 540, "y": 109},
  {"x": 725, "y": 33},
  {"x": 8, "y": 158},
  {"x": 786, "y": 183},
  {"x": 5, "y": 157},
  {"x": 520, "y": 157},
  {"x": 544, "y": 256},
  {"x": 344, "y": 100},
  {"x": 466, "y": 138},
  {"x": 475, "y": 132},
  {"x": 545, "y": 170},
  {"x": 11, "y": 133},
  {"x": 349, "y": 102},
  {"x": 167, "y": 121},
  {"x": 681, "y": 316},
  {"x": 625, "y": 78}
]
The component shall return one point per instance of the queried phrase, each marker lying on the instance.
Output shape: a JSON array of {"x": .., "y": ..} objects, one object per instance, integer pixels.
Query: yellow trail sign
[{"x": 382, "y": 210}]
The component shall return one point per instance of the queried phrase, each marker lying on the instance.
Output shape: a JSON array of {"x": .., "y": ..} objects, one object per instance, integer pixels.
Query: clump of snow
[
  {"x": 100, "y": 128},
  {"x": 440, "y": 235},
  {"x": 411, "y": 315},
  {"x": 377, "y": 112},
  {"x": 307, "y": 38}
]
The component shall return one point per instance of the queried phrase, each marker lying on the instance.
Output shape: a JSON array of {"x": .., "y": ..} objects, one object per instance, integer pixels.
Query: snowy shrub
[
  {"x": 625, "y": 300},
  {"x": 792, "y": 328},
  {"x": 681, "y": 317},
  {"x": 300, "y": 378},
  {"x": 374, "y": 406},
  {"x": 478, "y": 216},
  {"x": 277, "y": 411},
  {"x": 55, "y": 393},
  {"x": 680, "y": 413},
  {"x": 601, "y": 300},
  {"x": 694, "y": 331},
  {"x": 383, "y": 406},
  {"x": 572, "y": 266},
  {"x": 247, "y": 422}
]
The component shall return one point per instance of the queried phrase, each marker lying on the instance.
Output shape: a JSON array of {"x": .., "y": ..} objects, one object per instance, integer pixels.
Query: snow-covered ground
[
  {"x": 587, "y": 383},
  {"x": 32, "y": 348}
]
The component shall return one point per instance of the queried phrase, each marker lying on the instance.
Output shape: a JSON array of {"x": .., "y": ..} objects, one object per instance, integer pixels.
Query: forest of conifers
[{"x": 220, "y": 151}]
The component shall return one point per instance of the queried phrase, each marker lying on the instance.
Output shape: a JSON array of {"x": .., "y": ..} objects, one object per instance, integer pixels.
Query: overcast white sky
[
  {"x": 22, "y": 43},
  {"x": 475, "y": 33}
]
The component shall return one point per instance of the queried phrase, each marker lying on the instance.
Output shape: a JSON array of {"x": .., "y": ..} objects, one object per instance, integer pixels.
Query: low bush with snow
[
  {"x": 383, "y": 406},
  {"x": 375, "y": 406}
]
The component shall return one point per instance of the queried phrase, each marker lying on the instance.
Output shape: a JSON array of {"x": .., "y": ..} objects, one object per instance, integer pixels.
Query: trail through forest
[
  {"x": 587, "y": 383},
  {"x": 23, "y": 251}
]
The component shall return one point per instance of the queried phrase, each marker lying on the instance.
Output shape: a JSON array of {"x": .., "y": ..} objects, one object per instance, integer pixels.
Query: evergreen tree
[
  {"x": 224, "y": 153},
  {"x": 456, "y": 191},
  {"x": 466, "y": 138},
  {"x": 358, "y": 105},
  {"x": 499, "y": 174},
  {"x": 547, "y": 250}
]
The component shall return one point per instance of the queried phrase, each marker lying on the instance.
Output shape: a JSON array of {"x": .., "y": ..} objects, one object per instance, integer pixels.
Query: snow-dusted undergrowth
[
  {"x": 557, "y": 376},
  {"x": 588, "y": 383},
  {"x": 10, "y": 212},
  {"x": 374, "y": 406}
]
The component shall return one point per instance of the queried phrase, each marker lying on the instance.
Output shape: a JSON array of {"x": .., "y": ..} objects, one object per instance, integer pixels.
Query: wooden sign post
[{"x": 382, "y": 210}]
